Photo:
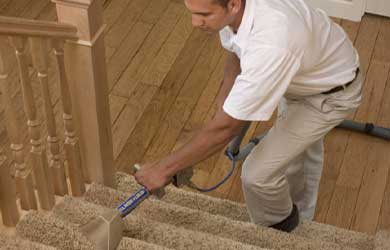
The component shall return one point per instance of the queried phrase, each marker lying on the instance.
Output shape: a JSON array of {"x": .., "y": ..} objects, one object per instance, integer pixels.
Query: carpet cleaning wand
[{"x": 105, "y": 232}]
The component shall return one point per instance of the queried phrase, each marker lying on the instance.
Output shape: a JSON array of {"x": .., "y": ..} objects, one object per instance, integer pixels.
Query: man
[{"x": 279, "y": 52}]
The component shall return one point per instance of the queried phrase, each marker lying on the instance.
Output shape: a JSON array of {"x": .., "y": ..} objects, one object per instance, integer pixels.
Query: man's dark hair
[{"x": 223, "y": 3}]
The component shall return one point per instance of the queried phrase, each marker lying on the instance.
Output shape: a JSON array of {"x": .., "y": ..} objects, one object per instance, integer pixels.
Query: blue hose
[{"x": 230, "y": 155}]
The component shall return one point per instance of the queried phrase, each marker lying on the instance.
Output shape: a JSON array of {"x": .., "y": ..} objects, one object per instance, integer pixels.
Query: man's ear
[{"x": 234, "y": 6}]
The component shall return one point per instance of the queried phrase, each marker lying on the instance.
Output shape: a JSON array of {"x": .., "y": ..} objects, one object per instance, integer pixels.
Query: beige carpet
[{"x": 181, "y": 220}]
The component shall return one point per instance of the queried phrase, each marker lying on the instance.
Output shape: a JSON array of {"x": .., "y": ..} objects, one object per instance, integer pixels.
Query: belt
[{"x": 344, "y": 86}]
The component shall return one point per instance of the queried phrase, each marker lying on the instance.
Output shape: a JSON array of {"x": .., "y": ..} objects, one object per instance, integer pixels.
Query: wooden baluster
[
  {"x": 37, "y": 154},
  {"x": 39, "y": 49},
  {"x": 72, "y": 148},
  {"x": 8, "y": 207},
  {"x": 23, "y": 173}
]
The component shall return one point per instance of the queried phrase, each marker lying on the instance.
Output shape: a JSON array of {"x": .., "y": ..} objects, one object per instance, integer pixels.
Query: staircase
[{"x": 181, "y": 220}]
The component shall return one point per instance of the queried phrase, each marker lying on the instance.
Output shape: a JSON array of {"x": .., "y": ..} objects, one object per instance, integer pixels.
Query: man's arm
[
  {"x": 232, "y": 70},
  {"x": 210, "y": 139}
]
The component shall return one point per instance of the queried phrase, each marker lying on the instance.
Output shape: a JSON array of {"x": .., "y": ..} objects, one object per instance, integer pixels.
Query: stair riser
[
  {"x": 204, "y": 222},
  {"x": 43, "y": 228},
  {"x": 236, "y": 211},
  {"x": 382, "y": 240},
  {"x": 16, "y": 243},
  {"x": 64, "y": 235},
  {"x": 79, "y": 212}
]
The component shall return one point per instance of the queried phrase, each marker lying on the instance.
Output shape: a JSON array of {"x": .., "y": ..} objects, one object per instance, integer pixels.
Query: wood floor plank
[
  {"x": 351, "y": 172},
  {"x": 204, "y": 104},
  {"x": 154, "y": 11},
  {"x": 15, "y": 8},
  {"x": 335, "y": 146},
  {"x": 150, "y": 15},
  {"x": 186, "y": 100},
  {"x": 384, "y": 219},
  {"x": 367, "y": 210},
  {"x": 355, "y": 161},
  {"x": 384, "y": 121},
  {"x": 3, "y": 5},
  {"x": 113, "y": 11},
  {"x": 48, "y": 13},
  {"x": 161, "y": 103},
  {"x": 382, "y": 51},
  {"x": 117, "y": 103},
  {"x": 365, "y": 41},
  {"x": 123, "y": 26},
  {"x": 236, "y": 194},
  {"x": 203, "y": 169},
  {"x": 364, "y": 35},
  {"x": 169, "y": 52},
  {"x": 342, "y": 206},
  {"x": 384, "y": 116},
  {"x": 145, "y": 56},
  {"x": 325, "y": 195},
  {"x": 34, "y": 8},
  {"x": 127, "y": 120},
  {"x": 124, "y": 54},
  {"x": 200, "y": 112},
  {"x": 373, "y": 185}
]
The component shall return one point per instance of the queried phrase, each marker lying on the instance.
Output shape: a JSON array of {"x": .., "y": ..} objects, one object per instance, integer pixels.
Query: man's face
[{"x": 208, "y": 15}]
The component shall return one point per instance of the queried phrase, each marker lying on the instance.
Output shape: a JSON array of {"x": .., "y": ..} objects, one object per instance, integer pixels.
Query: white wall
[{"x": 347, "y": 9}]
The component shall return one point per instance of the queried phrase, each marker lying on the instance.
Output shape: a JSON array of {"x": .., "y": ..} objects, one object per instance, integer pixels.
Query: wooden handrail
[{"x": 27, "y": 27}]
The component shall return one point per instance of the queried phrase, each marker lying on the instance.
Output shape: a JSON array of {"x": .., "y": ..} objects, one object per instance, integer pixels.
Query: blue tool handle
[{"x": 133, "y": 201}]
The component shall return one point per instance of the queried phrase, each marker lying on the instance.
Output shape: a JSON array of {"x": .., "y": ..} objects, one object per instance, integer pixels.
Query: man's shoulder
[
  {"x": 279, "y": 29},
  {"x": 284, "y": 18}
]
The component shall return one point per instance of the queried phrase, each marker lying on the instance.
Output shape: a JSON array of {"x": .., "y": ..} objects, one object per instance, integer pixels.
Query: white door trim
[
  {"x": 352, "y": 10},
  {"x": 379, "y": 7}
]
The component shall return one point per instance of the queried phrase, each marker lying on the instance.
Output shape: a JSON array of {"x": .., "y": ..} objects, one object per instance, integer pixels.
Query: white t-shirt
[{"x": 285, "y": 46}]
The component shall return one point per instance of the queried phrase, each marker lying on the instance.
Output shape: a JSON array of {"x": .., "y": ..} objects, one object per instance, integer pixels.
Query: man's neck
[{"x": 237, "y": 21}]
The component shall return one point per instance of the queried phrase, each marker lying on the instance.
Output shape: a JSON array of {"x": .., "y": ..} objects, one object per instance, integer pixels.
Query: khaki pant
[{"x": 286, "y": 166}]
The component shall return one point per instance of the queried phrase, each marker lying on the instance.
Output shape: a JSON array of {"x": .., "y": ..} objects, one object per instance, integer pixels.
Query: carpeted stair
[{"x": 181, "y": 220}]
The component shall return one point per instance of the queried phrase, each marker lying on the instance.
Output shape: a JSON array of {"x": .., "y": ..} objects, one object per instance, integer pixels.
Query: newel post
[{"x": 86, "y": 71}]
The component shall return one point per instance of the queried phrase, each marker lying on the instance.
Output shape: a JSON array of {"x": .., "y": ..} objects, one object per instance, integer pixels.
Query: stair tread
[
  {"x": 212, "y": 224},
  {"x": 13, "y": 242},
  {"x": 48, "y": 228},
  {"x": 237, "y": 211},
  {"x": 181, "y": 220},
  {"x": 79, "y": 211},
  {"x": 382, "y": 240}
]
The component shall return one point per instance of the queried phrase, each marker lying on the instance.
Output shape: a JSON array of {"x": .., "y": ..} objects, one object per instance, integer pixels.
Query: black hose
[{"x": 367, "y": 128}]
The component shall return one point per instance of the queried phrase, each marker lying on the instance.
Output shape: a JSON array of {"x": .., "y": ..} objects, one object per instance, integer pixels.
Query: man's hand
[{"x": 152, "y": 177}]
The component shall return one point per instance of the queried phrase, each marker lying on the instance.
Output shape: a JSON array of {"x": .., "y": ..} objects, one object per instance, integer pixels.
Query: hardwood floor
[{"x": 164, "y": 76}]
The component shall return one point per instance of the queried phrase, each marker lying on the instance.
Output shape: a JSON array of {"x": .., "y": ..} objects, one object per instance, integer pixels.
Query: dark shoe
[{"x": 290, "y": 223}]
